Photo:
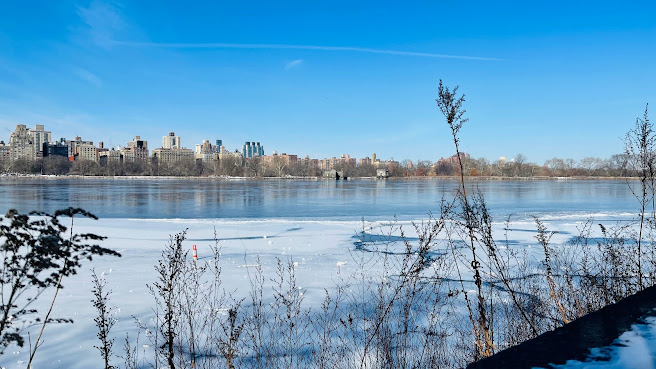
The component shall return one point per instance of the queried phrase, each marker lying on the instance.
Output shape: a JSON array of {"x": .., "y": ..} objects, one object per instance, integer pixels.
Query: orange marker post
[{"x": 195, "y": 253}]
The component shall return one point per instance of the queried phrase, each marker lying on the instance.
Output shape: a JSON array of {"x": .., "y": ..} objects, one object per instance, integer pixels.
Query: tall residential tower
[
  {"x": 252, "y": 149},
  {"x": 171, "y": 141}
]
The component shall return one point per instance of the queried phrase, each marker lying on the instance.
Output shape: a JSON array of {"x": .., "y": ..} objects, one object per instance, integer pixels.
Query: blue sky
[{"x": 546, "y": 79}]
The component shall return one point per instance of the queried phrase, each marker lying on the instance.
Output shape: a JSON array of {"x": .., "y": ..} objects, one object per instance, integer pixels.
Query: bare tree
[
  {"x": 231, "y": 166},
  {"x": 166, "y": 292},
  {"x": 592, "y": 166},
  {"x": 451, "y": 107},
  {"x": 617, "y": 164},
  {"x": 519, "y": 162},
  {"x": 279, "y": 164},
  {"x": 254, "y": 166},
  {"x": 639, "y": 144},
  {"x": 56, "y": 165},
  {"x": 105, "y": 320},
  {"x": 85, "y": 167},
  {"x": 22, "y": 165}
]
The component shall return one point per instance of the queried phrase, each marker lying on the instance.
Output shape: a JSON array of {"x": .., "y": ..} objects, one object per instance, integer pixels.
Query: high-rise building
[
  {"x": 73, "y": 144},
  {"x": 345, "y": 159},
  {"x": 110, "y": 156},
  {"x": 217, "y": 147},
  {"x": 20, "y": 143},
  {"x": 57, "y": 148},
  {"x": 205, "y": 151},
  {"x": 163, "y": 155},
  {"x": 27, "y": 143},
  {"x": 137, "y": 149},
  {"x": 5, "y": 152},
  {"x": 171, "y": 141},
  {"x": 87, "y": 152},
  {"x": 281, "y": 158},
  {"x": 252, "y": 149},
  {"x": 39, "y": 136},
  {"x": 310, "y": 164}
]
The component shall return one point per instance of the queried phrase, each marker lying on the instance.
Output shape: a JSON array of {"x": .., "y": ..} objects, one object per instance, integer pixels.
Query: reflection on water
[{"x": 322, "y": 199}]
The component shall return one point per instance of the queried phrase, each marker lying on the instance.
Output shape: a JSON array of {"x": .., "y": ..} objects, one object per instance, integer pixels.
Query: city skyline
[
  {"x": 28, "y": 143},
  {"x": 33, "y": 151},
  {"x": 315, "y": 80},
  {"x": 32, "y": 140}
]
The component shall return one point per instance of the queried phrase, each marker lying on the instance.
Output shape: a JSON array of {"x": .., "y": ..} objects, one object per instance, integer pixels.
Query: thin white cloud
[
  {"x": 297, "y": 47},
  {"x": 103, "y": 21},
  {"x": 87, "y": 76},
  {"x": 293, "y": 64}
]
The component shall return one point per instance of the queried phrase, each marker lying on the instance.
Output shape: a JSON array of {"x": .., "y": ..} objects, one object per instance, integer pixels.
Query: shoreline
[{"x": 295, "y": 178}]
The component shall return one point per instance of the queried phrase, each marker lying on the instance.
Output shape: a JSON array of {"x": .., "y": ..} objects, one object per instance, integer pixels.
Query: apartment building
[
  {"x": 86, "y": 152},
  {"x": 171, "y": 141},
  {"x": 164, "y": 155}
]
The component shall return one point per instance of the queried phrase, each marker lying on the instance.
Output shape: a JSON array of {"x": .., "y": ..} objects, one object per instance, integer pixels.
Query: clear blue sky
[{"x": 541, "y": 78}]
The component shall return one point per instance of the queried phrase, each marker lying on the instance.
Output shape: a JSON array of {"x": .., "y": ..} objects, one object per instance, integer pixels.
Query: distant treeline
[
  {"x": 519, "y": 166},
  {"x": 616, "y": 166}
]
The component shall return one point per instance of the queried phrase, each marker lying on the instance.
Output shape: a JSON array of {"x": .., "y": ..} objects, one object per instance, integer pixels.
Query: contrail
[{"x": 297, "y": 47}]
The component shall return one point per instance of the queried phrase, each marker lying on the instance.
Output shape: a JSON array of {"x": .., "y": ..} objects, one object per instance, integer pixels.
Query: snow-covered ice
[{"x": 321, "y": 249}]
